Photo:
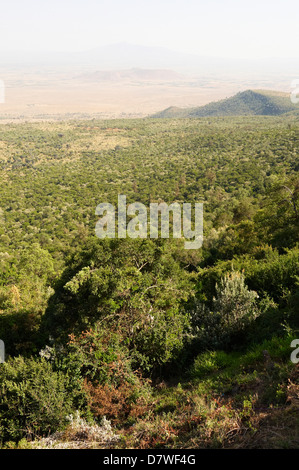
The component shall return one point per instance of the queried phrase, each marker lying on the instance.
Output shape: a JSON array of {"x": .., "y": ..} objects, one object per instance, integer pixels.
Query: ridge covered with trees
[{"x": 248, "y": 103}]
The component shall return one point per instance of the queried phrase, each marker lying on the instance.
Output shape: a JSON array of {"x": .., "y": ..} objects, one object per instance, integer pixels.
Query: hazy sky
[{"x": 223, "y": 28}]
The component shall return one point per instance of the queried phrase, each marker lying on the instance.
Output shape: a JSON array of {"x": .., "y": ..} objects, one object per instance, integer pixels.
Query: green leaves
[
  {"x": 233, "y": 309},
  {"x": 135, "y": 288},
  {"x": 34, "y": 399}
]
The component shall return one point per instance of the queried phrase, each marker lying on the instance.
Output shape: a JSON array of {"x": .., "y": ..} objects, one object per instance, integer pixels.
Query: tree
[{"x": 233, "y": 308}]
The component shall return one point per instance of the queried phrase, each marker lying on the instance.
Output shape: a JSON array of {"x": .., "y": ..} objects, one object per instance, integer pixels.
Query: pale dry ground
[
  {"x": 93, "y": 139},
  {"x": 52, "y": 95}
]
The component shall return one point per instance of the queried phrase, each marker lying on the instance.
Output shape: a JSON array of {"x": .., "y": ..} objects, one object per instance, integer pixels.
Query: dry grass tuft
[{"x": 80, "y": 435}]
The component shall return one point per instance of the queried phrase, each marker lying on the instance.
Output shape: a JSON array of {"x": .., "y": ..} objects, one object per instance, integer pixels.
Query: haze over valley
[{"x": 126, "y": 80}]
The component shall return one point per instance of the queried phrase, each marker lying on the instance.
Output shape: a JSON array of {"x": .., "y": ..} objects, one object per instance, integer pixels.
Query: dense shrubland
[{"x": 168, "y": 344}]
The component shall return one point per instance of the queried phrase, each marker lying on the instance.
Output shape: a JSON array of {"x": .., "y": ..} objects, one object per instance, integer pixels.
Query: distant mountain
[
  {"x": 249, "y": 102},
  {"x": 134, "y": 74},
  {"x": 117, "y": 56},
  {"x": 122, "y": 56}
]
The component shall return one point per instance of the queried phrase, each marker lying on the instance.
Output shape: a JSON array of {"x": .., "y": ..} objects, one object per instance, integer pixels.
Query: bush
[
  {"x": 113, "y": 388},
  {"x": 266, "y": 271},
  {"x": 233, "y": 309},
  {"x": 34, "y": 399},
  {"x": 135, "y": 287}
]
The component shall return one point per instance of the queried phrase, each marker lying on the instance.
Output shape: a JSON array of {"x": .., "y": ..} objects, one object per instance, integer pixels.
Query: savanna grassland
[{"x": 140, "y": 343}]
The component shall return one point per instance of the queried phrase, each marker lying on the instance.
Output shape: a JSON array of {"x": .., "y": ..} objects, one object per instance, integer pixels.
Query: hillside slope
[{"x": 249, "y": 102}]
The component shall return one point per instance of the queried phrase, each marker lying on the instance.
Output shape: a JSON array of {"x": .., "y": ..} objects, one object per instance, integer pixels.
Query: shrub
[
  {"x": 135, "y": 287},
  {"x": 233, "y": 308},
  {"x": 113, "y": 388},
  {"x": 127, "y": 401},
  {"x": 34, "y": 398}
]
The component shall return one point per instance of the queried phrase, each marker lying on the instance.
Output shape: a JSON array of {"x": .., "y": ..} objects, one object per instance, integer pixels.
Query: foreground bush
[
  {"x": 113, "y": 388},
  {"x": 34, "y": 399},
  {"x": 133, "y": 287},
  {"x": 233, "y": 309}
]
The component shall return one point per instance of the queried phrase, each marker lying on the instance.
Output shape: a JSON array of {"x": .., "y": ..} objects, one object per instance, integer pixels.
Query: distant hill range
[
  {"x": 123, "y": 56},
  {"x": 134, "y": 74},
  {"x": 249, "y": 102}
]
